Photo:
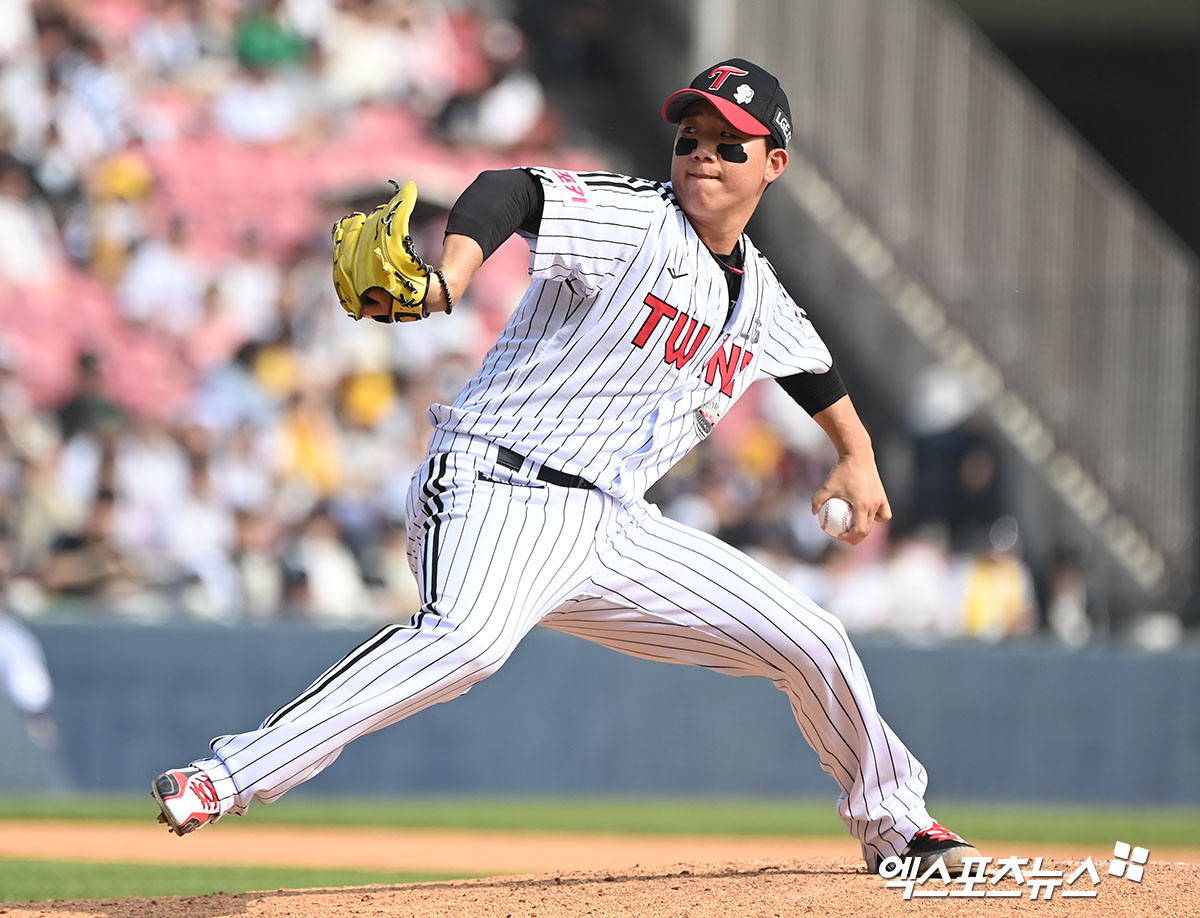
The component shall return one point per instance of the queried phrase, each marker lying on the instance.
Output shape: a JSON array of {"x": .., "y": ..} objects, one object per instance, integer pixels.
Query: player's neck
[
  {"x": 722, "y": 239},
  {"x": 721, "y": 232}
]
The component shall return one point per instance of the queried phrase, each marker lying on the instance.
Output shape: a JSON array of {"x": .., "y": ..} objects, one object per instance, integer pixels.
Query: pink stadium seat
[{"x": 115, "y": 20}]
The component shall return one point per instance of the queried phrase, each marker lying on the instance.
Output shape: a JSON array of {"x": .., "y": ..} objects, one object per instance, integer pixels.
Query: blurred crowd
[
  {"x": 190, "y": 428},
  {"x": 188, "y": 424}
]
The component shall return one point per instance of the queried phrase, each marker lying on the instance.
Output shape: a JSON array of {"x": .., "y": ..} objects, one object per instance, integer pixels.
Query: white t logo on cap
[{"x": 743, "y": 95}]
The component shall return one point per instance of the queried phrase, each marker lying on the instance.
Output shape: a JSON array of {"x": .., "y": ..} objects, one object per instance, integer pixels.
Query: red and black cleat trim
[
  {"x": 936, "y": 837},
  {"x": 169, "y": 786},
  {"x": 937, "y": 841}
]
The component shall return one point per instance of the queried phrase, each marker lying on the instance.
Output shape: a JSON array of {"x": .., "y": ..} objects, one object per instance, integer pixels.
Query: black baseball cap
[{"x": 747, "y": 96}]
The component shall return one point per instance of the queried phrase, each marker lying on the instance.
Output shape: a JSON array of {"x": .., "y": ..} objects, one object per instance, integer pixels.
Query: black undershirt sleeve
[
  {"x": 814, "y": 392},
  {"x": 496, "y": 205}
]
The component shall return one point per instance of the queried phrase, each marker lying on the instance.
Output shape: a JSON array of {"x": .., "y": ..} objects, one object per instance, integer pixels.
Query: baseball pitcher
[{"x": 648, "y": 314}]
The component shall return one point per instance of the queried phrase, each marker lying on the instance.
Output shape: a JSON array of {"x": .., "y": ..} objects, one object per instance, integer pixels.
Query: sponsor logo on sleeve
[{"x": 576, "y": 191}]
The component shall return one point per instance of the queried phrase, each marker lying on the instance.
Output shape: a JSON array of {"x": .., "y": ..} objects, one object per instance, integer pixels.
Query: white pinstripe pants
[{"x": 496, "y": 553}]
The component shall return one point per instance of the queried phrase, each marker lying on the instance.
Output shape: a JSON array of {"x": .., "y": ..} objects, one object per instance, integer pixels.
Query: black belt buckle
[
  {"x": 509, "y": 458},
  {"x": 513, "y": 460}
]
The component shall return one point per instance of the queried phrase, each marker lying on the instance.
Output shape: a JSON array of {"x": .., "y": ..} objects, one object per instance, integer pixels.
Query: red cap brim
[{"x": 730, "y": 111}]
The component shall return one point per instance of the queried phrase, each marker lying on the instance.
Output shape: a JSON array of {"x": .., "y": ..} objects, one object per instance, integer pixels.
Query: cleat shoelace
[{"x": 938, "y": 832}]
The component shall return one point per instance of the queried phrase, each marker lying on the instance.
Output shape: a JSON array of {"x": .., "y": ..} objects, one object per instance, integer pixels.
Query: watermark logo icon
[
  {"x": 1128, "y": 863},
  {"x": 1009, "y": 877}
]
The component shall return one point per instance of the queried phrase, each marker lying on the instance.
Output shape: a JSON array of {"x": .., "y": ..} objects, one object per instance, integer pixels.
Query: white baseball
[{"x": 835, "y": 516}]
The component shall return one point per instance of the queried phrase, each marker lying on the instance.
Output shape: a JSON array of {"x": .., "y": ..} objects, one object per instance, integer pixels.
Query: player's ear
[{"x": 777, "y": 161}]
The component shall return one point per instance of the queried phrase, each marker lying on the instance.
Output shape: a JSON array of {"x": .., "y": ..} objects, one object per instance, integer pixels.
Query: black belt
[{"x": 511, "y": 459}]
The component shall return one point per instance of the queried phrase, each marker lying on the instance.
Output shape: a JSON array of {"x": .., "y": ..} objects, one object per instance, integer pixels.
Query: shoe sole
[{"x": 952, "y": 857}]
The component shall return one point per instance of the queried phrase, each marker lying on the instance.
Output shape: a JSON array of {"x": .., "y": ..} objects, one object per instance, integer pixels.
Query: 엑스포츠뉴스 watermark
[{"x": 1009, "y": 877}]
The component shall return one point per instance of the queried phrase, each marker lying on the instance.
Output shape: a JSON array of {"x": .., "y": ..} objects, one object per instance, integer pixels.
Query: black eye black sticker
[
  {"x": 732, "y": 152},
  {"x": 686, "y": 145}
]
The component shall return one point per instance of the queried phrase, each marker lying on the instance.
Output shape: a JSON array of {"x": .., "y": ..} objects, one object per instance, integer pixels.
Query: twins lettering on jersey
[{"x": 684, "y": 340}]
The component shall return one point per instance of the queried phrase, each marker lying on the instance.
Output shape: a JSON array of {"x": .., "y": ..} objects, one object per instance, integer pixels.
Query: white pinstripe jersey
[{"x": 619, "y": 358}]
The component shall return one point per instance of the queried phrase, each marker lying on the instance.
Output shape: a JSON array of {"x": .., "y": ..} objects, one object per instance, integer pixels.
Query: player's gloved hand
[{"x": 377, "y": 250}]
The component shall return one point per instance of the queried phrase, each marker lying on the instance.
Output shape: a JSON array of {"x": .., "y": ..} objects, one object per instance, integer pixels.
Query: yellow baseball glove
[{"x": 376, "y": 250}]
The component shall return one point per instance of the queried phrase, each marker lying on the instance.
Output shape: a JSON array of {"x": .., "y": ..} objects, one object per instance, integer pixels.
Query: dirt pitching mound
[
  {"x": 832, "y": 887},
  {"x": 572, "y": 875}
]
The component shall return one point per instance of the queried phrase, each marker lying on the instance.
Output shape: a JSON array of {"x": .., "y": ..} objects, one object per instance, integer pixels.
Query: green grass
[
  {"x": 1146, "y": 826},
  {"x": 27, "y": 881},
  {"x": 689, "y": 816}
]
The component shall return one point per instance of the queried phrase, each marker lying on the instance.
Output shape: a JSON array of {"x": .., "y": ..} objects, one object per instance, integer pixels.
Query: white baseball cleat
[{"x": 187, "y": 799}]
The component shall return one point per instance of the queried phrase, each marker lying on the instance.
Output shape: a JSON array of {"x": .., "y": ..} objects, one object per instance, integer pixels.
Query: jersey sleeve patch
[{"x": 572, "y": 191}]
